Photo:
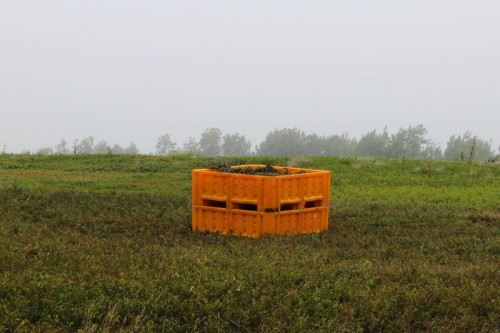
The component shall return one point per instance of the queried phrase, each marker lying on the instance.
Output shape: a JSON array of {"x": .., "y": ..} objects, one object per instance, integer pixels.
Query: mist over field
[
  {"x": 126, "y": 71},
  {"x": 356, "y": 143}
]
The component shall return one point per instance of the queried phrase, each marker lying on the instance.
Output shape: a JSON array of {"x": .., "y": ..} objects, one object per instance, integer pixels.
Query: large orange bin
[{"x": 252, "y": 205}]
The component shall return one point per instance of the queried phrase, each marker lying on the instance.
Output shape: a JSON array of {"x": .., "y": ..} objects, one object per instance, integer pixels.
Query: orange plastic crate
[{"x": 253, "y": 205}]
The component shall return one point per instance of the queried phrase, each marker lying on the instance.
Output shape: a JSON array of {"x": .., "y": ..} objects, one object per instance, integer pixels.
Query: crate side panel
[
  {"x": 312, "y": 220},
  {"x": 246, "y": 223},
  {"x": 252, "y": 225},
  {"x": 269, "y": 195},
  {"x": 245, "y": 189},
  {"x": 210, "y": 219},
  {"x": 269, "y": 223},
  {"x": 213, "y": 185},
  {"x": 326, "y": 184},
  {"x": 314, "y": 186},
  {"x": 290, "y": 189},
  {"x": 315, "y": 219},
  {"x": 288, "y": 223},
  {"x": 195, "y": 218},
  {"x": 255, "y": 224}
]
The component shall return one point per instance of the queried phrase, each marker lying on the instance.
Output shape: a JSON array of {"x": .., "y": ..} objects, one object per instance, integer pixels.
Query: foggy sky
[{"x": 133, "y": 70}]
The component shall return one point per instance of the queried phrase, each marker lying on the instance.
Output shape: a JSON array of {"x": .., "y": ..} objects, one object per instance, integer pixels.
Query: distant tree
[
  {"x": 117, "y": 149},
  {"x": 61, "y": 147},
  {"x": 191, "y": 146},
  {"x": 467, "y": 147},
  {"x": 316, "y": 145},
  {"x": 235, "y": 145},
  {"x": 75, "y": 146},
  {"x": 45, "y": 151},
  {"x": 131, "y": 149},
  {"x": 333, "y": 145},
  {"x": 210, "y": 142},
  {"x": 431, "y": 151},
  {"x": 101, "y": 147},
  {"x": 164, "y": 145},
  {"x": 340, "y": 145},
  {"x": 408, "y": 142},
  {"x": 284, "y": 142},
  {"x": 86, "y": 145},
  {"x": 373, "y": 144}
]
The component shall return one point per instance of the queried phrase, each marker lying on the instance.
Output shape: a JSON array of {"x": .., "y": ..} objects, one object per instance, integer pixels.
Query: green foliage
[
  {"x": 61, "y": 148},
  {"x": 210, "y": 142},
  {"x": 374, "y": 144},
  {"x": 410, "y": 142},
  {"x": 164, "y": 145},
  {"x": 103, "y": 243},
  {"x": 235, "y": 145},
  {"x": 191, "y": 146},
  {"x": 285, "y": 142},
  {"x": 467, "y": 146},
  {"x": 267, "y": 170},
  {"x": 213, "y": 144},
  {"x": 87, "y": 146},
  {"x": 294, "y": 142},
  {"x": 339, "y": 145}
]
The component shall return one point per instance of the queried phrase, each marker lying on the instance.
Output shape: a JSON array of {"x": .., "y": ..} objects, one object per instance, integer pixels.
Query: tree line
[
  {"x": 411, "y": 142},
  {"x": 89, "y": 145}
]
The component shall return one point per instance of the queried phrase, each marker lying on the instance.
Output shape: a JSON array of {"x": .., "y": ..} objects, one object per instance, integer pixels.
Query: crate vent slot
[
  {"x": 245, "y": 206},
  {"x": 214, "y": 203},
  {"x": 289, "y": 206},
  {"x": 314, "y": 203}
]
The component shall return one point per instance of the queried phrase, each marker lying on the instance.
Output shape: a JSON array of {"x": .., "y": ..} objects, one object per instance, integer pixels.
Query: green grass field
[{"x": 104, "y": 244}]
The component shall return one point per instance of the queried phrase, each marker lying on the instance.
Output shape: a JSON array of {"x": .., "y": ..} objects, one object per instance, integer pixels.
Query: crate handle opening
[
  {"x": 289, "y": 206},
  {"x": 245, "y": 206},
  {"x": 314, "y": 203},
  {"x": 214, "y": 203}
]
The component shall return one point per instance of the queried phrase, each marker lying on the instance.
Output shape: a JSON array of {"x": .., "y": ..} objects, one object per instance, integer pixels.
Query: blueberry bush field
[{"x": 103, "y": 243}]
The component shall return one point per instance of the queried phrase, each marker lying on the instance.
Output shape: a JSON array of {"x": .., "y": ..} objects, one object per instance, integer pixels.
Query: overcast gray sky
[{"x": 132, "y": 70}]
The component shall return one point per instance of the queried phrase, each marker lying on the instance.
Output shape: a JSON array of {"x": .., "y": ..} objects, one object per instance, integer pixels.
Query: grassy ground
[{"x": 103, "y": 243}]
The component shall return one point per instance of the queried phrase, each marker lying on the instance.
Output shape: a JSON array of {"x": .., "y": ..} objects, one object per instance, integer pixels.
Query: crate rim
[{"x": 297, "y": 170}]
